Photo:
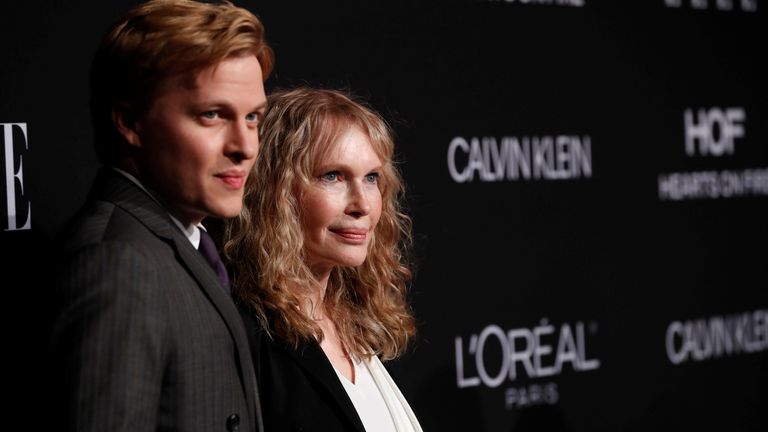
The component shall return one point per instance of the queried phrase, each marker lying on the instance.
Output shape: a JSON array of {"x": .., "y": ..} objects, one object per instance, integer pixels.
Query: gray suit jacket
[{"x": 147, "y": 337}]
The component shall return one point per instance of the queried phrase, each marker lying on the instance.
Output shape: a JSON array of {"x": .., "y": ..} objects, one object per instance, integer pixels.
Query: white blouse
[{"x": 379, "y": 403}]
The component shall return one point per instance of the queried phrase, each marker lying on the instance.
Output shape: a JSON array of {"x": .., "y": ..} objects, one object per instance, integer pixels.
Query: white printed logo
[
  {"x": 510, "y": 158},
  {"x": 714, "y": 131},
  {"x": 717, "y": 336},
  {"x": 719, "y": 5},
  {"x": 538, "y": 352},
  {"x": 15, "y": 175}
]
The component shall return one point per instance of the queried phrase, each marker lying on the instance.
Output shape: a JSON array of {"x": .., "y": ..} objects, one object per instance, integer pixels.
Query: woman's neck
[
  {"x": 315, "y": 301},
  {"x": 331, "y": 343}
]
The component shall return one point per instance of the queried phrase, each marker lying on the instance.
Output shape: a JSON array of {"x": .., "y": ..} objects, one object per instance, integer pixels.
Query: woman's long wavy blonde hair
[{"x": 265, "y": 244}]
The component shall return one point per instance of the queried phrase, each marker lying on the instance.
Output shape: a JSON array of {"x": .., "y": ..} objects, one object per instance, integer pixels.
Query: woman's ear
[{"x": 125, "y": 121}]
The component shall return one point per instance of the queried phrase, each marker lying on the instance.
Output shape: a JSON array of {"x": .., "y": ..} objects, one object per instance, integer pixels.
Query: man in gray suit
[{"x": 148, "y": 337}]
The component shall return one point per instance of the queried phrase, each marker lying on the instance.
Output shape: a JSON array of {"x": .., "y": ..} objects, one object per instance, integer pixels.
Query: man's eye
[
  {"x": 252, "y": 117},
  {"x": 210, "y": 115}
]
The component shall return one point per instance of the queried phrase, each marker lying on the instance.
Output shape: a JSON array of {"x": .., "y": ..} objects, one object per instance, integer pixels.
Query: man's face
[{"x": 198, "y": 139}]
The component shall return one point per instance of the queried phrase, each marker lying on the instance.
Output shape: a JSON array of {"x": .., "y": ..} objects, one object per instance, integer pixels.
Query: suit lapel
[
  {"x": 206, "y": 278},
  {"x": 312, "y": 358},
  {"x": 210, "y": 284},
  {"x": 114, "y": 187}
]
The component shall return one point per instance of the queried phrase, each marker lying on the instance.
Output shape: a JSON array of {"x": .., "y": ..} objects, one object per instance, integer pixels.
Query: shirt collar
[{"x": 192, "y": 232}]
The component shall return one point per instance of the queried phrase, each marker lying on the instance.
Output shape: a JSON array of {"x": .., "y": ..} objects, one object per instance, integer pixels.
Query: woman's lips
[{"x": 351, "y": 235}]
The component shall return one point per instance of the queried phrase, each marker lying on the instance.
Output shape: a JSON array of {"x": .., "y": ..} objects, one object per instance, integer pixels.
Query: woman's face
[{"x": 342, "y": 204}]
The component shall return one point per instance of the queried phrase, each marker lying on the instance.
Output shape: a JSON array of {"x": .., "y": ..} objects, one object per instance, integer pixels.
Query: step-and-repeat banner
[{"x": 588, "y": 181}]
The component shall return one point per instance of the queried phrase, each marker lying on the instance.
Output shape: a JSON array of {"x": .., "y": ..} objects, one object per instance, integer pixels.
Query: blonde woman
[{"x": 318, "y": 258}]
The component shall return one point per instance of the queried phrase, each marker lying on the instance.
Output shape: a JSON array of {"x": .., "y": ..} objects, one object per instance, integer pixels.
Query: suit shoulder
[{"x": 100, "y": 222}]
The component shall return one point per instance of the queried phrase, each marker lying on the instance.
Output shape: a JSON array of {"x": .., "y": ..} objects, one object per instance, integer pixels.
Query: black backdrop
[{"x": 588, "y": 181}]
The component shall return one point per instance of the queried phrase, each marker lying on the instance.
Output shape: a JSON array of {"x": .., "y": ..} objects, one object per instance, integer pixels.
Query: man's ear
[{"x": 125, "y": 121}]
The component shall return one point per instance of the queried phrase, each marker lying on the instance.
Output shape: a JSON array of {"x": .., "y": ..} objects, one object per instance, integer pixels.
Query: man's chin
[{"x": 227, "y": 212}]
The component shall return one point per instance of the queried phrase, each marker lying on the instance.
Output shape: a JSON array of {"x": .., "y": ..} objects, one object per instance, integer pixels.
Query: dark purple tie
[{"x": 211, "y": 254}]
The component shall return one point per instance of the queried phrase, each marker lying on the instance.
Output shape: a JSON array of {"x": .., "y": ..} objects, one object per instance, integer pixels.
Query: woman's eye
[
  {"x": 331, "y": 176},
  {"x": 372, "y": 177},
  {"x": 252, "y": 117}
]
